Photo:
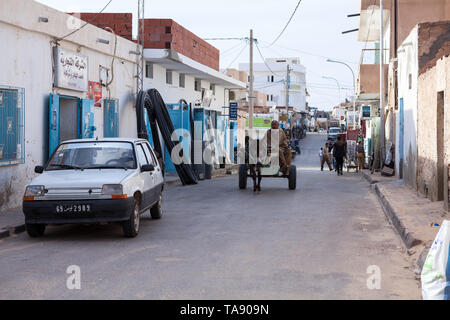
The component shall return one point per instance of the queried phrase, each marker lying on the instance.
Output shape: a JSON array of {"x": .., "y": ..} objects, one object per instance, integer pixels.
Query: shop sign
[{"x": 71, "y": 70}]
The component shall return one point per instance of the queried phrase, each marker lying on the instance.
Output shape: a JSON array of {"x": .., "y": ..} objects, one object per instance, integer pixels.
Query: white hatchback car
[{"x": 86, "y": 180}]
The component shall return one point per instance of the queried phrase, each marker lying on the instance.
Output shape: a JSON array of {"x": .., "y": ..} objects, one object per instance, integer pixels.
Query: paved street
[{"x": 218, "y": 242}]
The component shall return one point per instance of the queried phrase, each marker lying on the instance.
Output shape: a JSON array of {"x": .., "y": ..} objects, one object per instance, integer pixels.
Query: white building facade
[
  {"x": 40, "y": 106},
  {"x": 270, "y": 78},
  {"x": 177, "y": 77}
]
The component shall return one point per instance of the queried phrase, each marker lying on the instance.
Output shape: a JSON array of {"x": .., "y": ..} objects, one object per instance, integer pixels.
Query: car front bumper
[{"x": 101, "y": 210}]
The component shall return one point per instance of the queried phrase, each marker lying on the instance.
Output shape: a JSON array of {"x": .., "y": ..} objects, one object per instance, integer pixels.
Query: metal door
[
  {"x": 110, "y": 119},
  {"x": 149, "y": 129},
  {"x": 86, "y": 123},
  {"x": 53, "y": 133}
]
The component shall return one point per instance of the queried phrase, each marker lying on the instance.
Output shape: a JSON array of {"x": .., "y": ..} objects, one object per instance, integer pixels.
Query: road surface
[{"x": 218, "y": 242}]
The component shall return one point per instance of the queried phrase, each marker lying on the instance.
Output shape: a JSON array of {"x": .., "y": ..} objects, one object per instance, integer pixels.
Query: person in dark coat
[{"x": 339, "y": 152}]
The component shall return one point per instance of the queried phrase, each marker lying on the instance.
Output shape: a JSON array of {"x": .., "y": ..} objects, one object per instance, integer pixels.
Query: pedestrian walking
[
  {"x": 339, "y": 152},
  {"x": 330, "y": 148},
  {"x": 361, "y": 154},
  {"x": 325, "y": 158}
]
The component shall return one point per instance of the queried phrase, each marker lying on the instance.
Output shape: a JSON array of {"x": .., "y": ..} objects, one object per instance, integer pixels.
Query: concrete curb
[
  {"x": 219, "y": 173},
  {"x": 12, "y": 230},
  {"x": 407, "y": 235}
]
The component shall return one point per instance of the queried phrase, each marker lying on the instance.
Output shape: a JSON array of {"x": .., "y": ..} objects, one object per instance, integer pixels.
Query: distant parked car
[
  {"x": 333, "y": 133},
  {"x": 86, "y": 180}
]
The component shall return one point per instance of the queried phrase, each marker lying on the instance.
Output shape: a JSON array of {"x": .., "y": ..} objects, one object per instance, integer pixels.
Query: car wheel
[
  {"x": 293, "y": 178},
  {"x": 35, "y": 230},
  {"x": 131, "y": 226},
  {"x": 242, "y": 176},
  {"x": 156, "y": 210}
]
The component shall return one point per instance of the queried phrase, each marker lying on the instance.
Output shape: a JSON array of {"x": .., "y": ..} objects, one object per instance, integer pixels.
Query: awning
[{"x": 174, "y": 61}]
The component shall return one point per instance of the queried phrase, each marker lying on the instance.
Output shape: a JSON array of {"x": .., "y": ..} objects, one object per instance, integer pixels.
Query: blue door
[
  {"x": 179, "y": 114},
  {"x": 53, "y": 134},
  {"x": 148, "y": 127},
  {"x": 86, "y": 124},
  {"x": 110, "y": 119}
]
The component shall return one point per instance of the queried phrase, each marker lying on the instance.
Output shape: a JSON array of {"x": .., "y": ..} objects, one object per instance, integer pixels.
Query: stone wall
[{"x": 431, "y": 82}]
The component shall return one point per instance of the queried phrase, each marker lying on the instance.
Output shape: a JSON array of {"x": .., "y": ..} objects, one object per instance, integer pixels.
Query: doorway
[
  {"x": 440, "y": 145},
  {"x": 68, "y": 118}
]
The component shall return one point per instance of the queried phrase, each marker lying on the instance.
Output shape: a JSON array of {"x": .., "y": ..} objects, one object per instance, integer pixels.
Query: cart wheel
[
  {"x": 293, "y": 178},
  {"x": 242, "y": 176}
]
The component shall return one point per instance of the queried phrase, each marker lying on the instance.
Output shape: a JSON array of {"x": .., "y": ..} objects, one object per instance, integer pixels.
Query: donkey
[{"x": 254, "y": 165}]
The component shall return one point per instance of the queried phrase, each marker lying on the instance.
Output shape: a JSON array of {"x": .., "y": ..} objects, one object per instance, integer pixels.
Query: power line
[
  {"x": 230, "y": 49},
  {"x": 215, "y": 39},
  {"x": 264, "y": 59},
  {"x": 287, "y": 24},
  {"x": 91, "y": 20},
  {"x": 237, "y": 57},
  {"x": 308, "y": 53}
]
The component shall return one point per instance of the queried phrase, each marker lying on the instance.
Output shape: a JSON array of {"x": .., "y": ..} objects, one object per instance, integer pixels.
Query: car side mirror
[
  {"x": 39, "y": 169},
  {"x": 147, "y": 168}
]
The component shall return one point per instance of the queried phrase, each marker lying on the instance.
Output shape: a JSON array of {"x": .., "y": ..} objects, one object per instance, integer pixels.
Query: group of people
[{"x": 334, "y": 154}]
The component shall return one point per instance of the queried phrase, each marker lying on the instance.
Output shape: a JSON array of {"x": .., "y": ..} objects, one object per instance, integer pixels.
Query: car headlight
[
  {"x": 112, "y": 189},
  {"x": 34, "y": 191}
]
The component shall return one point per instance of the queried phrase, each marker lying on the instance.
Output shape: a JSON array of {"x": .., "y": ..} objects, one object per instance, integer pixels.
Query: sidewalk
[
  {"x": 13, "y": 222},
  {"x": 413, "y": 216}
]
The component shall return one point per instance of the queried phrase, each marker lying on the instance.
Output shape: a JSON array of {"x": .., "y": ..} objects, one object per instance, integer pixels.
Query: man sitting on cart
[{"x": 285, "y": 154}]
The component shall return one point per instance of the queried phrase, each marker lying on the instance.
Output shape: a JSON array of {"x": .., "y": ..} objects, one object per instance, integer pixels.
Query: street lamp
[
  {"x": 354, "y": 88},
  {"x": 337, "y": 82}
]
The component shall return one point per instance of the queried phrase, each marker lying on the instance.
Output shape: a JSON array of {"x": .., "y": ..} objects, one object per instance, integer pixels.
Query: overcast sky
[{"x": 313, "y": 35}]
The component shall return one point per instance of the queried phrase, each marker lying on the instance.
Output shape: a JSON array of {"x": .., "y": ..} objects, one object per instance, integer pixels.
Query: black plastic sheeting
[{"x": 159, "y": 117}]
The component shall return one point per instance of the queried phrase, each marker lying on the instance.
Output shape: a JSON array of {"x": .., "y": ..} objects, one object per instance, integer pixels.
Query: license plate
[{"x": 73, "y": 208}]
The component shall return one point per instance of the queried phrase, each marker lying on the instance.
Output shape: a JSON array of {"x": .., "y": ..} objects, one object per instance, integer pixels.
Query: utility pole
[
  {"x": 140, "y": 48},
  {"x": 382, "y": 125},
  {"x": 250, "y": 93}
]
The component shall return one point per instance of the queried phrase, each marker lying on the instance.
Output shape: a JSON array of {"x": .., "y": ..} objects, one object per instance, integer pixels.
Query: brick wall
[
  {"x": 121, "y": 23},
  {"x": 167, "y": 34}
]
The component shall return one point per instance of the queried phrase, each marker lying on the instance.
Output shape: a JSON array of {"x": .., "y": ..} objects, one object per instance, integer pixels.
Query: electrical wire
[
  {"x": 214, "y": 39},
  {"x": 264, "y": 59},
  {"x": 91, "y": 20},
  {"x": 230, "y": 49},
  {"x": 237, "y": 57},
  {"x": 307, "y": 53},
  {"x": 287, "y": 24}
]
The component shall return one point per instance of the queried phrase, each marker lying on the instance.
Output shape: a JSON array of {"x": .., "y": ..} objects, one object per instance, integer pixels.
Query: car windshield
[
  {"x": 93, "y": 155},
  {"x": 334, "y": 130}
]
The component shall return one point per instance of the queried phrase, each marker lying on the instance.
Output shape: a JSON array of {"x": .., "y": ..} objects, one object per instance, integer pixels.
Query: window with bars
[
  {"x": 169, "y": 77},
  {"x": 149, "y": 70},
  {"x": 12, "y": 126},
  {"x": 182, "y": 80},
  {"x": 197, "y": 85}
]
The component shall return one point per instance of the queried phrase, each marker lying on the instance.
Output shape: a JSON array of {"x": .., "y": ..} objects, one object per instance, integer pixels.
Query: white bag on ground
[{"x": 436, "y": 269}]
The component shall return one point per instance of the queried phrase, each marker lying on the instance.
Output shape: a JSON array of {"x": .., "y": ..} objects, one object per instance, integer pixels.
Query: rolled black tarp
[{"x": 158, "y": 114}]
